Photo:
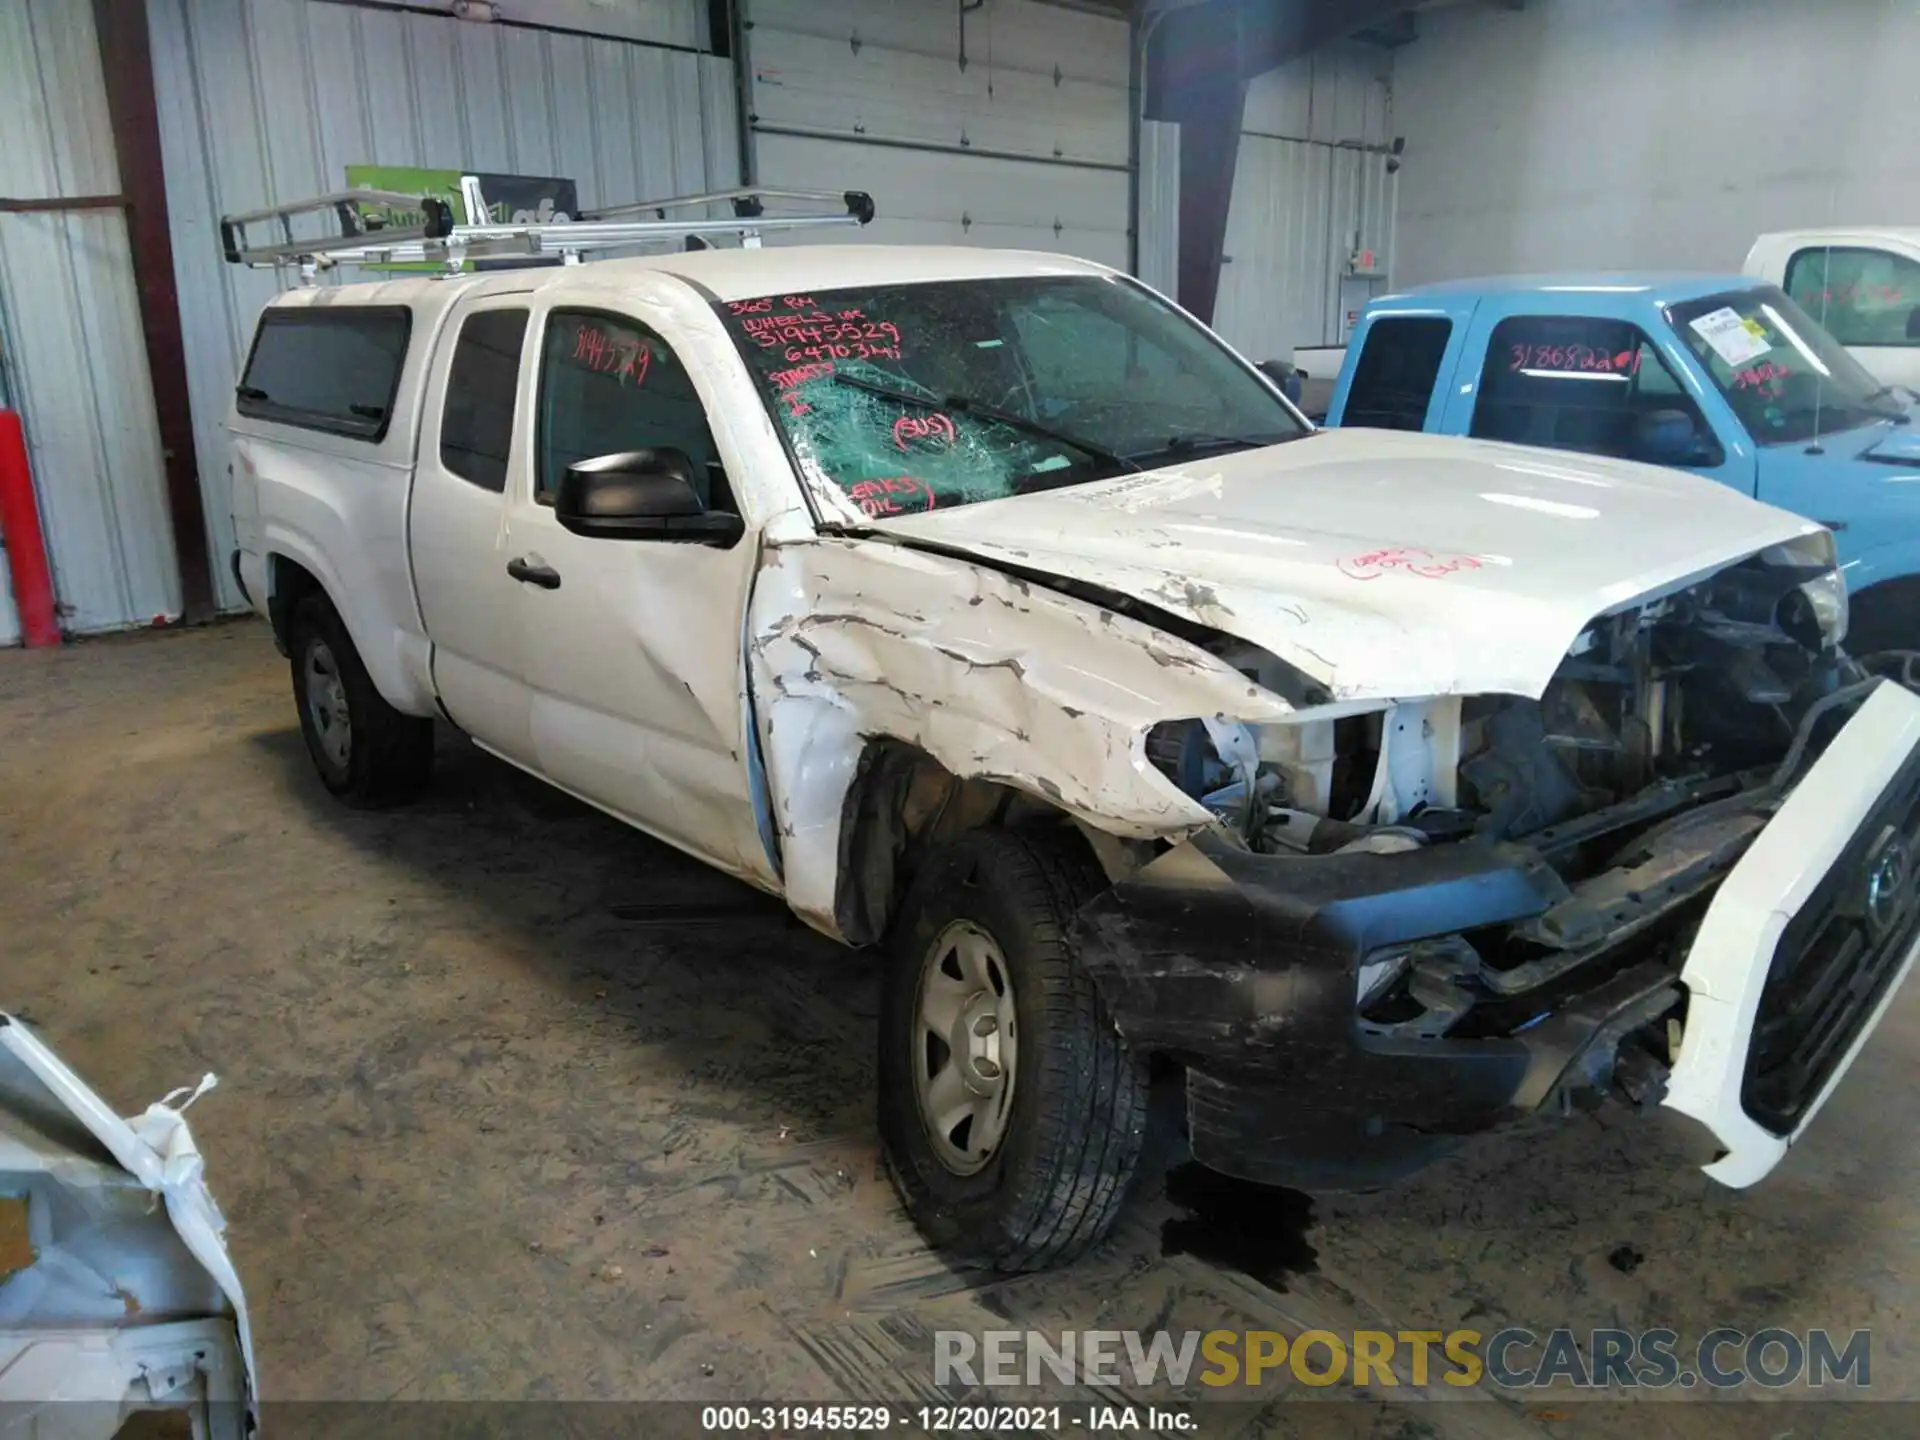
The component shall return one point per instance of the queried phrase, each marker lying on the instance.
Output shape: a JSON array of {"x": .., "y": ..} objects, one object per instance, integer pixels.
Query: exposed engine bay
[
  {"x": 1658, "y": 751},
  {"x": 1416, "y": 921}
]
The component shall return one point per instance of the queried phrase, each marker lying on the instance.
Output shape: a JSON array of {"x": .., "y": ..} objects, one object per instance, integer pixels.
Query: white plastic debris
[{"x": 116, "y": 1290}]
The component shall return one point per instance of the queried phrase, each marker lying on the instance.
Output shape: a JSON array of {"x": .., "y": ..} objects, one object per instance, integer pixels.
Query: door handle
[{"x": 545, "y": 576}]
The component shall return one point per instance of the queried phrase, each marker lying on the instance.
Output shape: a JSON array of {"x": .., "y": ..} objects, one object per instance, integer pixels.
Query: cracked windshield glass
[{"x": 921, "y": 397}]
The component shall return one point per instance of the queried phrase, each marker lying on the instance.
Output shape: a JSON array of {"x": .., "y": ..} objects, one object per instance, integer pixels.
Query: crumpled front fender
[{"x": 997, "y": 679}]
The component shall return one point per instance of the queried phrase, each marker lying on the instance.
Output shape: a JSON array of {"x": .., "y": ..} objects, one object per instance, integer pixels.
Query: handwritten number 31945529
[{"x": 616, "y": 355}]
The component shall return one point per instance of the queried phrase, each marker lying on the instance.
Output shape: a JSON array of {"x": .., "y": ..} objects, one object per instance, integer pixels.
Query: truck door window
[
  {"x": 476, "y": 427},
  {"x": 609, "y": 384},
  {"x": 1862, "y": 296},
  {"x": 1394, "y": 377},
  {"x": 1577, "y": 382}
]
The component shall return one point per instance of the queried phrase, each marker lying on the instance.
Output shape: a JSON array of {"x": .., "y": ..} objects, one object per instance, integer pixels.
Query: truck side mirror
[
  {"x": 1913, "y": 323},
  {"x": 641, "y": 495}
]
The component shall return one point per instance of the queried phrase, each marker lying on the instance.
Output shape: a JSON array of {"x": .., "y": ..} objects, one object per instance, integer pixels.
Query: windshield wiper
[
  {"x": 961, "y": 405},
  {"x": 1196, "y": 443},
  {"x": 1886, "y": 392}
]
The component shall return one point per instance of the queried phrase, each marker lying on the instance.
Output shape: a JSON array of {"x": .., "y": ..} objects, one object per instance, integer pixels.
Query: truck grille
[{"x": 1836, "y": 958}]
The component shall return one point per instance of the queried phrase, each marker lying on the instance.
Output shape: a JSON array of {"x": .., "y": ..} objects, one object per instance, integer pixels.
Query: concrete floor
[{"x": 486, "y": 1128}]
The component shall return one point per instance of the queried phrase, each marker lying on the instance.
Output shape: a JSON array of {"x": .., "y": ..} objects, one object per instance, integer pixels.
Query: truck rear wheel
[
  {"x": 1011, "y": 1111},
  {"x": 367, "y": 752}
]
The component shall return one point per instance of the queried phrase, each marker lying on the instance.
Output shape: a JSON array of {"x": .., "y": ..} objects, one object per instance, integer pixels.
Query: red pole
[{"x": 20, "y": 533}]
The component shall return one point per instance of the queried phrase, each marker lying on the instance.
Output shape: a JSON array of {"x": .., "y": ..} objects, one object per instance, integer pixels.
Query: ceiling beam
[
  {"x": 1190, "y": 48},
  {"x": 1196, "y": 62},
  {"x": 1390, "y": 33},
  {"x": 133, "y": 118}
]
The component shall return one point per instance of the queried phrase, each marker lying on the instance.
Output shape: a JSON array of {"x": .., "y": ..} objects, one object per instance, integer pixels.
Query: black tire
[
  {"x": 1885, "y": 617},
  {"x": 390, "y": 755},
  {"x": 1076, "y": 1120}
]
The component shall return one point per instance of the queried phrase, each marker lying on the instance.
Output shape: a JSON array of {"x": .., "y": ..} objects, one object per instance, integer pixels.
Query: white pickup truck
[
  {"x": 989, "y": 609},
  {"x": 1861, "y": 282}
]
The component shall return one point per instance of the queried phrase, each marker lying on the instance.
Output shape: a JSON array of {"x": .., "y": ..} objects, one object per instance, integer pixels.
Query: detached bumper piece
[
  {"x": 117, "y": 1294},
  {"x": 1836, "y": 961},
  {"x": 1761, "y": 930},
  {"x": 1805, "y": 944}
]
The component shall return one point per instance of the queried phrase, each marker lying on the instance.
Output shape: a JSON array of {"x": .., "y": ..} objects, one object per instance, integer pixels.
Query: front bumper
[{"x": 1243, "y": 967}]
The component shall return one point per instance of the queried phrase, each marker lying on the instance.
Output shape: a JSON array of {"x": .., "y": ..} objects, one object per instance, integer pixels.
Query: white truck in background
[
  {"x": 1861, "y": 282},
  {"x": 987, "y": 608}
]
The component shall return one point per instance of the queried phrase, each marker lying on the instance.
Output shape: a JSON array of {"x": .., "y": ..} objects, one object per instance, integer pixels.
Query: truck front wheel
[
  {"x": 1885, "y": 617},
  {"x": 367, "y": 752},
  {"x": 1011, "y": 1111}
]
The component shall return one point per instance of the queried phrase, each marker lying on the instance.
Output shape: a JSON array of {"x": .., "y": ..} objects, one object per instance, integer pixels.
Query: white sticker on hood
[{"x": 1733, "y": 339}]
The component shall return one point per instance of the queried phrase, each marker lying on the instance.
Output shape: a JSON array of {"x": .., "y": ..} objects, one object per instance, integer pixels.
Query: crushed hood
[{"x": 1381, "y": 564}]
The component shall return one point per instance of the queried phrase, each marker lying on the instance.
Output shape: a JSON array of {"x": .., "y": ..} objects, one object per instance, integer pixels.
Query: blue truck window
[
  {"x": 1575, "y": 382},
  {"x": 1393, "y": 379}
]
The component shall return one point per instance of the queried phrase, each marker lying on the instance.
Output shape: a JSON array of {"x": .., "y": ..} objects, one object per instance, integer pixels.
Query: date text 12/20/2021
[{"x": 948, "y": 1419}]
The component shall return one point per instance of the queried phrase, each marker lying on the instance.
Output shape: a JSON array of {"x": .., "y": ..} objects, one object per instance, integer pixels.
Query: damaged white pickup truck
[{"x": 986, "y": 607}]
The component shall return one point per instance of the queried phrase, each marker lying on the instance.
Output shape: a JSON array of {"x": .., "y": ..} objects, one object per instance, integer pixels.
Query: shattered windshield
[
  {"x": 917, "y": 397},
  {"x": 1786, "y": 378}
]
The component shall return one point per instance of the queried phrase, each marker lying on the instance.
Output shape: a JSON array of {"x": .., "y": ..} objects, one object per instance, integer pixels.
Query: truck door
[
  {"x": 472, "y": 438},
  {"x": 1596, "y": 383},
  {"x": 1868, "y": 298},
  {"x": 633, "y": 648}
]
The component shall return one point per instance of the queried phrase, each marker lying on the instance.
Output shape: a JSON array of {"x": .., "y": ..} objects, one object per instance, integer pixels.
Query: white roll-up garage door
[{"x": 1014, "y": 136}]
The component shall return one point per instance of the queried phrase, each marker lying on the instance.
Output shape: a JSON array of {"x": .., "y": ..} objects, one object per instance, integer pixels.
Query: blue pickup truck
[{"x": 1716, "y": 374}]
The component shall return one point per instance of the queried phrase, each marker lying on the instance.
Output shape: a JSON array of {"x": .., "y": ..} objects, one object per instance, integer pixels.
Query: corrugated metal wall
[
  {"x": 1025, "y": 145},
  {"x": 75, "y": 358},
  {"x": 681, "y": 23},
  {"x": 267, "y": 100},
  {"x": 1300, "y": 196}
]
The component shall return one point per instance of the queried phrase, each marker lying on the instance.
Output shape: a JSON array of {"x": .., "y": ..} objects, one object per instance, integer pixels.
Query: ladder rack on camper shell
[{"x": 366, "y": 237}]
